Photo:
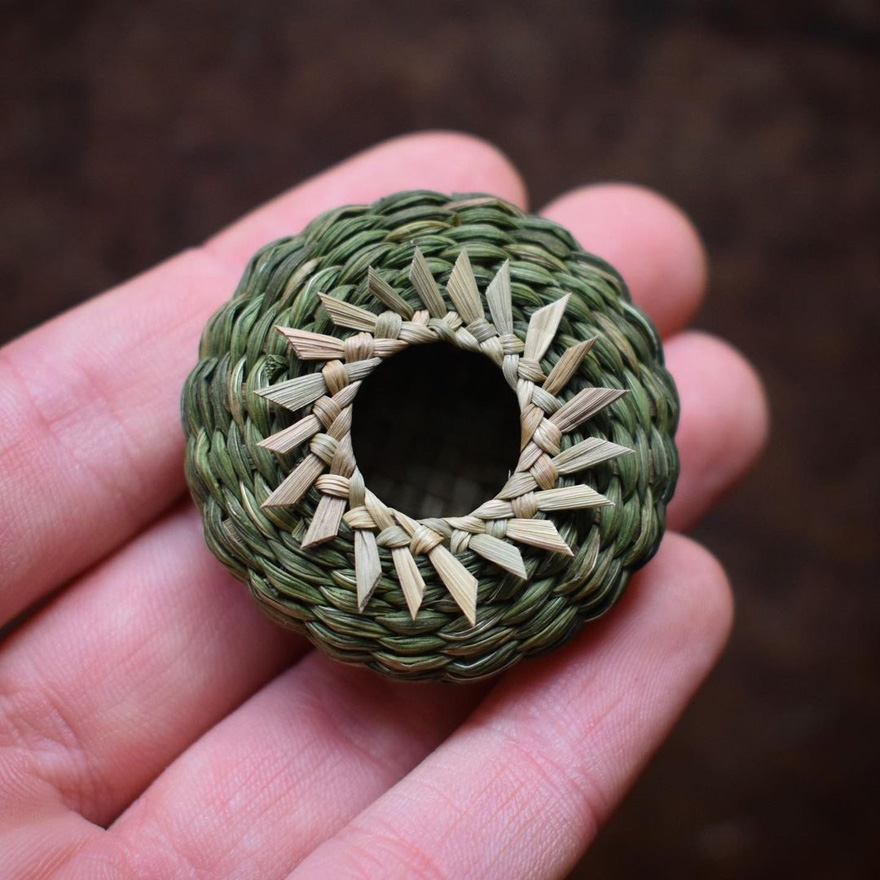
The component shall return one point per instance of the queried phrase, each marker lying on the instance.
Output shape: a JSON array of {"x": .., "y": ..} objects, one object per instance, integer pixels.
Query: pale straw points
[{"x": 493, "y": 529}]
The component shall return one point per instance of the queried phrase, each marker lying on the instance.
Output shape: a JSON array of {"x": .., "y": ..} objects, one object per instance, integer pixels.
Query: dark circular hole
[{"x": 436, "y": 431}]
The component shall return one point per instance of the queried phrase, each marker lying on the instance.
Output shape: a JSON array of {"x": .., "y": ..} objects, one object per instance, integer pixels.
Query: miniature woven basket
[{"x": 271, "y": 408}]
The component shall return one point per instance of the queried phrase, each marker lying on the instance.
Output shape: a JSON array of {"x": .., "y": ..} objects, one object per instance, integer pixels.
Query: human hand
[{"x": 153, "y": 724}]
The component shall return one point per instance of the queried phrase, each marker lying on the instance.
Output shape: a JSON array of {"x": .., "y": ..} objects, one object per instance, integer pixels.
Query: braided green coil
[{"x": 313, "y": 590}]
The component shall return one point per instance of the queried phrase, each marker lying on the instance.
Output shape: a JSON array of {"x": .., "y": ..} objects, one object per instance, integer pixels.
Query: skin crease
[{"x": 154, "y": 724}]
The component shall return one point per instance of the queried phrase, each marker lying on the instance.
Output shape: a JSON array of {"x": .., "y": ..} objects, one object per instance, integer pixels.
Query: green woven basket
[{"x": 270, "y": 410}]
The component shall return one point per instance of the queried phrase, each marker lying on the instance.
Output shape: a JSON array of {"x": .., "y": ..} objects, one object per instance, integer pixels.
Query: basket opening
[{"x": 436, "y": 431}]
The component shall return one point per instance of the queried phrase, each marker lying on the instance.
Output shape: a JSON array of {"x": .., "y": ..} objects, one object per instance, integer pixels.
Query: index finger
[{"x": 91, "y": 448}]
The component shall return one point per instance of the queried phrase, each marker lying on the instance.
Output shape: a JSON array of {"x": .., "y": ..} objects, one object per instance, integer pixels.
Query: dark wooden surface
[{"x": 130, "y": 131}]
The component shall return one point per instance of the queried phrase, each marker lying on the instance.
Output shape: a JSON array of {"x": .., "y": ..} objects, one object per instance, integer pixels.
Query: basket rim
[{"x": 514, "y": 515}]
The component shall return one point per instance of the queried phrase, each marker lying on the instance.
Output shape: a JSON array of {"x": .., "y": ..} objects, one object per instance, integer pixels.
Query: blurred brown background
[{"x": 130, "y": 131}]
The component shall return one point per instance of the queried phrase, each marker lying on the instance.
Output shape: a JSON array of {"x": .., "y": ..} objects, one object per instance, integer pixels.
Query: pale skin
[{"x": 153, "y": 724}]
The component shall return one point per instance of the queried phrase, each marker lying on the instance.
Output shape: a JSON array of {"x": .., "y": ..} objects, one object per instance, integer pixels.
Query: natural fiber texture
[{"x": 269, "y": 411}]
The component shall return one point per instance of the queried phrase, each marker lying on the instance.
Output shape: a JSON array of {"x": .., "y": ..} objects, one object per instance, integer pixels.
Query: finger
[
  {"x": 281, "y": 774},
  {"x": 521, "y": 788},
  {"x": 444, "y": 161},
  {"x": 724, "y": 421},
  {"x": 297, "y": 761},
  {"x": 647, "y": 239},
  {"x": 91, "y": 447},
  {"x": 116, "y": 677},
  {"x": 37, "y": 840}
]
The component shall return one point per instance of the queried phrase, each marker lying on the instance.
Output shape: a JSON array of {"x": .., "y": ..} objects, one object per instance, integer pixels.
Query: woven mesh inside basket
[{"x": 437, "y": 454}]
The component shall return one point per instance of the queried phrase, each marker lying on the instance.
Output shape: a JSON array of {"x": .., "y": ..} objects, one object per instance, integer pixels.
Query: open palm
[{"x": 153, "y": 724}]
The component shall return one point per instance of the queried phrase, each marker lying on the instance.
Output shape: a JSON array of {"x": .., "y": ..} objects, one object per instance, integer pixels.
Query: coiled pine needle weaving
[{"x": 268, "y": 413}]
